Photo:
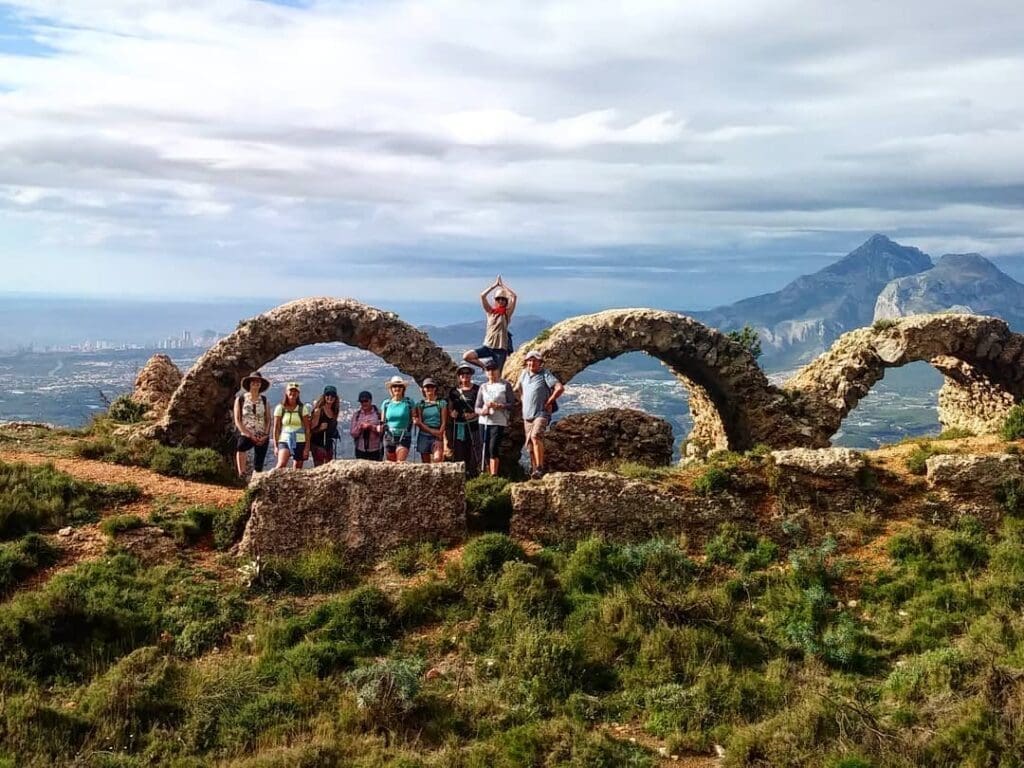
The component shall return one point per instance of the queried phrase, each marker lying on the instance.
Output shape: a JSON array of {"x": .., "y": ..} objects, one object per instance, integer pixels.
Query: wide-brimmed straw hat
[
  {"x": 254, "y": 376},
  {"x": 293, "y": 385},
  {"x": 501, "y": 293},
  {"x": 397, "y": 381}
]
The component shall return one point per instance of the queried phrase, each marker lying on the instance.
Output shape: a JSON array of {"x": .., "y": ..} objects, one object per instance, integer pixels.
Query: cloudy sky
[{"x": 674, "y": 153}]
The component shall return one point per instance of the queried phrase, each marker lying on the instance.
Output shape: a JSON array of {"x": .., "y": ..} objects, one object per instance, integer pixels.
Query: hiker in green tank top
[
  {"x": 291, "y": 428},
  {"x": 431, "y": 420}
]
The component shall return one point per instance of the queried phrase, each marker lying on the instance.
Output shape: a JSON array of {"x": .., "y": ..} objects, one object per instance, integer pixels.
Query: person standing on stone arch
[{"x": 497, "y": 344}]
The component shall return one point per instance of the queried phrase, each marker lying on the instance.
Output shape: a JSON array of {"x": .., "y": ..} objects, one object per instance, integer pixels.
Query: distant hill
[
  {"x": 802, "y": 320},
  {"x": 472, "y": 334},
  {"x": 965, "y": 282}
]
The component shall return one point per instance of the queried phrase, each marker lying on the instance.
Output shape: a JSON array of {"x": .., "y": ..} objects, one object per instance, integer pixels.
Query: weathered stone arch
[
  {"x": 732, "y": 402},
  {"x": 196, "y": 413},
  {"x": 981, "y": 359}
]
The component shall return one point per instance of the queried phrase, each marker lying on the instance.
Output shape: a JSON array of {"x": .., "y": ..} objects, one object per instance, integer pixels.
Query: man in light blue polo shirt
[{"x": 539, "y": 390}]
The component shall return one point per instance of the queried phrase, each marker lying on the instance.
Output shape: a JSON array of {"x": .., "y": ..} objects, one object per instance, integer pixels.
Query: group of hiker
[{"x": 467, "y": 425}]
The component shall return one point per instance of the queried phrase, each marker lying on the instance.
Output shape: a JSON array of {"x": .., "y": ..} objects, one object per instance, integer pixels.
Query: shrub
[
  {"x": 917, "y": 458},
  {"x": 364, "y": 617},
  {"x": 711, "y": 480},
  {"x": 484, "y": 556},
  {"x": 596, "y": 565},
  {"x": 126, "y": 410},
  {"x": 203, "y": 464},
  {"x": 112, "y": 526},
  {"x": 386, "y": 690},
  {"x": 733, "y": 546},
  {"x": 318, "y": 570},
  {"x": 1013, "y": 427},
  {"x": 1011, "y": 495},
  {"x": 425, "y": 602},
  {"x": 21, "y": 559},
  {"x": 410, "y": 559},
  {"x": 634, "y": 470},
  {"x": 884, "y": 324},
  {"x": 143, "y": 690},
  {"x": 41, "y": 498},
  {"x": 488, "y": 503},
  {"x": 954, "y": 433},
  {"x": 747, "y": 338}
]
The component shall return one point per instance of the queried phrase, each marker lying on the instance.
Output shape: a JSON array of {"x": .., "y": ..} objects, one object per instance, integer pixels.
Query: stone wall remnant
[
  {"x": 731, "y": 401},
  {"x": 983, "y": 362},
  {"x": 821, "y": 462},
  {"x": 968, "y": 473},
  {"x": 155, "y": 384},
  {"x": 199, "y": 413},
  {"x": 588, "y": 440},
  {"x": 367, "y": 508}
]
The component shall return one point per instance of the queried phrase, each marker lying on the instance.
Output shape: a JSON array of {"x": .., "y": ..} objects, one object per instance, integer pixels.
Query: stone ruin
[
  {"x": 156, "y": 384},
  {"x": 732, "y": 402}
]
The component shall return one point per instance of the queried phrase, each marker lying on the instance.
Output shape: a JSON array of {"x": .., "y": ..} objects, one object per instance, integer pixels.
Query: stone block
[
  {"x": 970, "y": 473},
  {"x": 365, "y": 507},
  {"x": 821, "y": 462}
]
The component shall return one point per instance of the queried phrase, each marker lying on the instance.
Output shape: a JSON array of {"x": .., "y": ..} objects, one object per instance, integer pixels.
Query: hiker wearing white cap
[
  {"x": 431, "y": 419},
  {"x": 252, "y": 420},
  {"x": 540, "y": 391},
  {"x": 497, "y": 340},
  {"x": 291, "y": 428},
  {"x": 493, "y": 402},
  {"x": 396, "y": 417}
]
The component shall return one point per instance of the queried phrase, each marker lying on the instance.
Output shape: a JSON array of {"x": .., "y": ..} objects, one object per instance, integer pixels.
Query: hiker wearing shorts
[
  {"x": 252, "y": 420},
  {"x": 464, "y": 434},
  {"x": 325, "y": 425},
  {"x": 365, "y": 429},
  {"x": 493, "y": 402},
  {"x": 540, "y": 391},
  {"x": 497, "y": 340},
  {"x": 291, "y": 428},
  {"x": 397, "y": 416},
  {"x": 431, "y": 419}
]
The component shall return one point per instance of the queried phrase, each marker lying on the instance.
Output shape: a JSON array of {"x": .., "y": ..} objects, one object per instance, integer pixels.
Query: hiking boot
[{"x": 537, "y": 474}]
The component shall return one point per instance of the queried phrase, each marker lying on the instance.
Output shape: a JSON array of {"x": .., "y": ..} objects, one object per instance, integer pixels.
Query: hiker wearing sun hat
[
  {"x": 291, "y": 428},
  {"x": 397, "y": 416},
  {"x": 497, "y": 340},
  {"x": 252, "y": 420},
  {"x": 324, "y": 425}
]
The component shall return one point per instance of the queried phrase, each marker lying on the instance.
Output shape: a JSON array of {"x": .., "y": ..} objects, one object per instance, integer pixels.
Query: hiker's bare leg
[
  {"x": 283, "y": 454},
  {"x": 471, "y": 357},
  {"x": 493, "y": 467},
  {"x": 240, "y": 462},
  {"x": 401, "y": 454}
]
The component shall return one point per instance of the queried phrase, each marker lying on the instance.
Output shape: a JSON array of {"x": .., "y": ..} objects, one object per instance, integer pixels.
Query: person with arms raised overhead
[
  {"x": 497, "y": 340},
  {"x": 540, "y": 392},
  {"x": 291, "y": 428},
  {"x": 252, "y": 420}
]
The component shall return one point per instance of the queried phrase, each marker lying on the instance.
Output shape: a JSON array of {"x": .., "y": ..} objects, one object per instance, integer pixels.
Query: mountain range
[{"x": 880, "y": 279}]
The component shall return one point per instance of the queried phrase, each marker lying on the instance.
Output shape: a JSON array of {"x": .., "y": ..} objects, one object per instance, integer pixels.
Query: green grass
[
  {"x": 22, "y": 558},
  {"x": 916, "y": 460},
  {"x": 40, "y": 498},
  {"x": 509, "y": 659},
  {"x": 116, "y": 524},
  {"x": 1013, "y": 427},
  {"x": 488, "y": 503}
]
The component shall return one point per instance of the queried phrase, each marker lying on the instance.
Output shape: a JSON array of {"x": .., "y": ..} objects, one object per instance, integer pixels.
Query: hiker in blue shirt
[
  {"x": 540, "y": 392},
  {"x": 397, "y": 415}
]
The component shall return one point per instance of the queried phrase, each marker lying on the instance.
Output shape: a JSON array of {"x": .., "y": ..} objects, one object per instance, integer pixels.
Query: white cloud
[{"x": 166, "y": 130}]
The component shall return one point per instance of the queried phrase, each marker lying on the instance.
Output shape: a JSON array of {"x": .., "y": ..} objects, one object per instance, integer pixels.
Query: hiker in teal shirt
[
  {"x": 431, "y": 420},
  {"x": 397, "y": 415}
]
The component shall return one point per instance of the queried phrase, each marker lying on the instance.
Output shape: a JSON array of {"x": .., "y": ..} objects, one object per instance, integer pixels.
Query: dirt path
[{"x": 151, "y": 484}]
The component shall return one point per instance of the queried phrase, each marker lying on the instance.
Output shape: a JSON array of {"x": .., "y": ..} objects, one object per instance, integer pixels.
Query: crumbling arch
[
  {"x": 732, "y": 403},
  {"x": 196, "y": 413},
  {"x": 981, "y": 359}
]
